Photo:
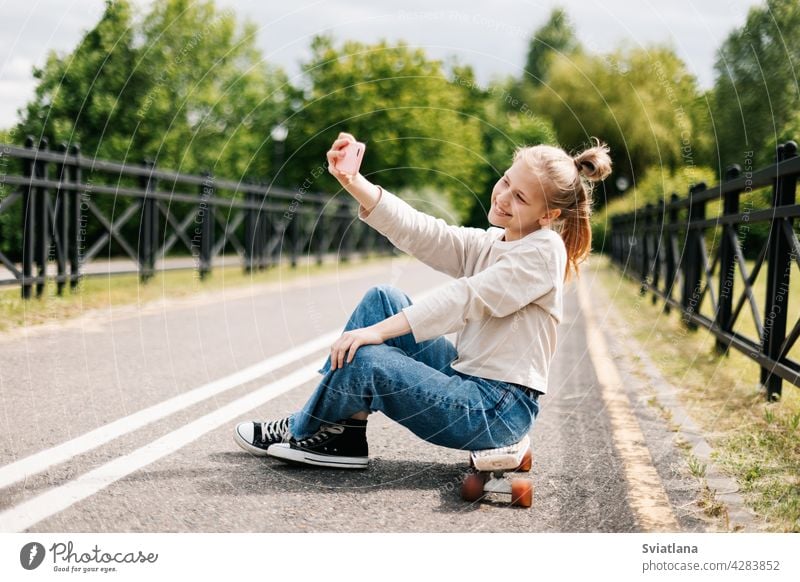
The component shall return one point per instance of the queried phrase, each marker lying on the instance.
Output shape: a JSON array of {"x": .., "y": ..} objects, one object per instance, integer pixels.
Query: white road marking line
[
  {"x": 645, "y": 493},
  {"x": 32, "y": 511},
  {"x": 41, "y": 461},
  {"x": 38, "y": 462},
  {"x": 24, "y": 515}
]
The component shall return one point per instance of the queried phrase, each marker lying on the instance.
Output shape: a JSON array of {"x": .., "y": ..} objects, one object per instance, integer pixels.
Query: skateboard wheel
[
  {"x": 472, "y": 487},
  {"x": 522, "y": 492},
  {"x": 527, "y": 462}
]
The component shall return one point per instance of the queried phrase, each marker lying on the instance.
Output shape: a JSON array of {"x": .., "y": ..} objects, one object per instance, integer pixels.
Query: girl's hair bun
[{"x": 594, "y": 163}]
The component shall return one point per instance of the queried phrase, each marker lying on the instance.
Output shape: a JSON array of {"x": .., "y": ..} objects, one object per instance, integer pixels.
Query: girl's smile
[{"x": 500, "y": 212}]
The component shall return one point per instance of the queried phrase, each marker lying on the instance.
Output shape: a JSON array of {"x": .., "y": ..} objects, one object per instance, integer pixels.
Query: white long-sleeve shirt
[{"x": 505, "y": 302}]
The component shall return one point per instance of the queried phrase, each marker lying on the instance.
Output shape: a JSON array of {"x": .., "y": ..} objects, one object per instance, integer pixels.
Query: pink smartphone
[{"x": 351, "y": 162}]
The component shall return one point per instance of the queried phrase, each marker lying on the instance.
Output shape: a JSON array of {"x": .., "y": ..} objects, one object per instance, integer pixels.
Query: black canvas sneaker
[
  {"x": 342, "y": 445},
  {"x": 256, "y": 437}
]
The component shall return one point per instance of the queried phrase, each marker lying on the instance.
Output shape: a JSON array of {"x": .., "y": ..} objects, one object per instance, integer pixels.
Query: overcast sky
[{"x": 493, "y": 37}]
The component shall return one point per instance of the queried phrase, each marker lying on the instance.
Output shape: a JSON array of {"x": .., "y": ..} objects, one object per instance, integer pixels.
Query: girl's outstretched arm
[{"x": 439, "y": 245}]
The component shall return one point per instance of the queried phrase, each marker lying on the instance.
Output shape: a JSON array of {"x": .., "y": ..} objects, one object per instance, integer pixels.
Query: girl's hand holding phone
[{"x": 344, "y": 158}]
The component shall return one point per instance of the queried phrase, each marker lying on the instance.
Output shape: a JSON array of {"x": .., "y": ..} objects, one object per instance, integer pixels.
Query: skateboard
[{"x": 488, "y": 467}]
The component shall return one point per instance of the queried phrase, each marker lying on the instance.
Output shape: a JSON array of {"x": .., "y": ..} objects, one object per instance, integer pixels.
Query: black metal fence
[
  {"x": 63, "y": 209},
  {"x": 667, "y": 248}
]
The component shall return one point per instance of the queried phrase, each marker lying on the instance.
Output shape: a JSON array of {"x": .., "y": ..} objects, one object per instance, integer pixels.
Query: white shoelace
[{"x": 275, "y": 429}]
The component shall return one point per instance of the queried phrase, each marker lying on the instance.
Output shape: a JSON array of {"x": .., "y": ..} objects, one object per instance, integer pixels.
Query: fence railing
[
  {"x": 63, "y": 208},
  {"x": 665, "y": 248}
]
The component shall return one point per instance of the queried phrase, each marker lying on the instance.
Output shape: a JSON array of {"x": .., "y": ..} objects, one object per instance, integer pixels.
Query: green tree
[
  {"x": 184, "y": 85},
  {"x": 556, "y": 36},
  {"x": 77, "y": 96},
  {"x": 418, "y": 124},
  {"x": 642, "y": 101},
  {"x": 430, "y": 127},
  {"x": 213, "y": 98},
  {"x": 756, "y": 95}
]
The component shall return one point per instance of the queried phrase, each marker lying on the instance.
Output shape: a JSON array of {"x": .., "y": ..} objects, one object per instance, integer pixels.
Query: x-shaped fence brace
[
  {"x": 638, "y": 245},
  {"x": 50, "y": 221}
]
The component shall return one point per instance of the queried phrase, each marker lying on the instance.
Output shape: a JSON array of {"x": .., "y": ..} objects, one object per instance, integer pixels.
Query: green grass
[
  {"x": 754, "y": 441},
  {"x": 102, "y": 292},
  {"x": 697, "y": 467}
]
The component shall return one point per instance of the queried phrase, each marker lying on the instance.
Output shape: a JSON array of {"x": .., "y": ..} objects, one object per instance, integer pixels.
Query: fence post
[
  {"x": 77, "y": 233},
  {"x": 294, "y": 234},
  {"x": 611, "y": 238},
  {"x": 691, "y": 257},
  {"x": 346, "y": 240},
  {"x": 258, "y": 228},
  {"x": 146, "y": 251},
  {"x": 631, "y": 244},
  {"x": 249, "y": 232},
  {"x": 371, "y": 238},
  {"x": 154, "y": 219},
  {"x": 28, "y": 223},
  {"x": 658, "y": 241},
  {"x": 62, "y": 219},
  {"x": 625, "y": 247},
  {"x": 206, "y": 212},
  {"x": 320, "y": 232},
  {"x": 43, "y": 220},
  {"x": 262, "y": 228},
  {"x": 672, "y": 270},
  {"x": 727, "y": 261},
  {"x": 645, "y": 258},
  {"x": 779, "y": 261}
]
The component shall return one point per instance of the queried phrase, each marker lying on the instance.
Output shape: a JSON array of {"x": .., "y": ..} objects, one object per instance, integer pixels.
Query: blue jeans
[{"x": 413, "y": 384}]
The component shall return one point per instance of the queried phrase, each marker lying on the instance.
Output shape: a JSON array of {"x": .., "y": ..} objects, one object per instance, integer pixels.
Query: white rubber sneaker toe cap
[
  {"x": 243, "y": 436},
  {"x": 245, "y": 431}
]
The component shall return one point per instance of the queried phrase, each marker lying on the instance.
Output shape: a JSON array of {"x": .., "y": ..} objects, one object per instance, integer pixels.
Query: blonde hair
[{"x": 569, "y": 185}]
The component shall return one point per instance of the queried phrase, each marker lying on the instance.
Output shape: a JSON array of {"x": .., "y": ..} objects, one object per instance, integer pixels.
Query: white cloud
[{"x": 16, "y": 69}]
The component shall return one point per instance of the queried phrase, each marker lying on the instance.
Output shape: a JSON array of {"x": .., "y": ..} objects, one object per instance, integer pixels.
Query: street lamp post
[{"x": 279, "y": 133}]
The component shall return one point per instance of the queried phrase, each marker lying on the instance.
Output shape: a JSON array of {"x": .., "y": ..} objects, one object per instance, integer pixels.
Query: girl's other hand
[{"x": 348, "y": 344}]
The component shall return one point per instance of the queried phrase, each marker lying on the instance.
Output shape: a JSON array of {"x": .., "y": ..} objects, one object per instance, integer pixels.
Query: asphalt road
[{"x": 182, "y": 472}]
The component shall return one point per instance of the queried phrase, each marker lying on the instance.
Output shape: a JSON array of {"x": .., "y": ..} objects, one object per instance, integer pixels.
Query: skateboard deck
[{"x": 488, "y": 469}]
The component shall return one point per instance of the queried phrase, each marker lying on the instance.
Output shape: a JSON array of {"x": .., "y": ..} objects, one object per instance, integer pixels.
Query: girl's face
[{"x": 519, "y": 204}]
